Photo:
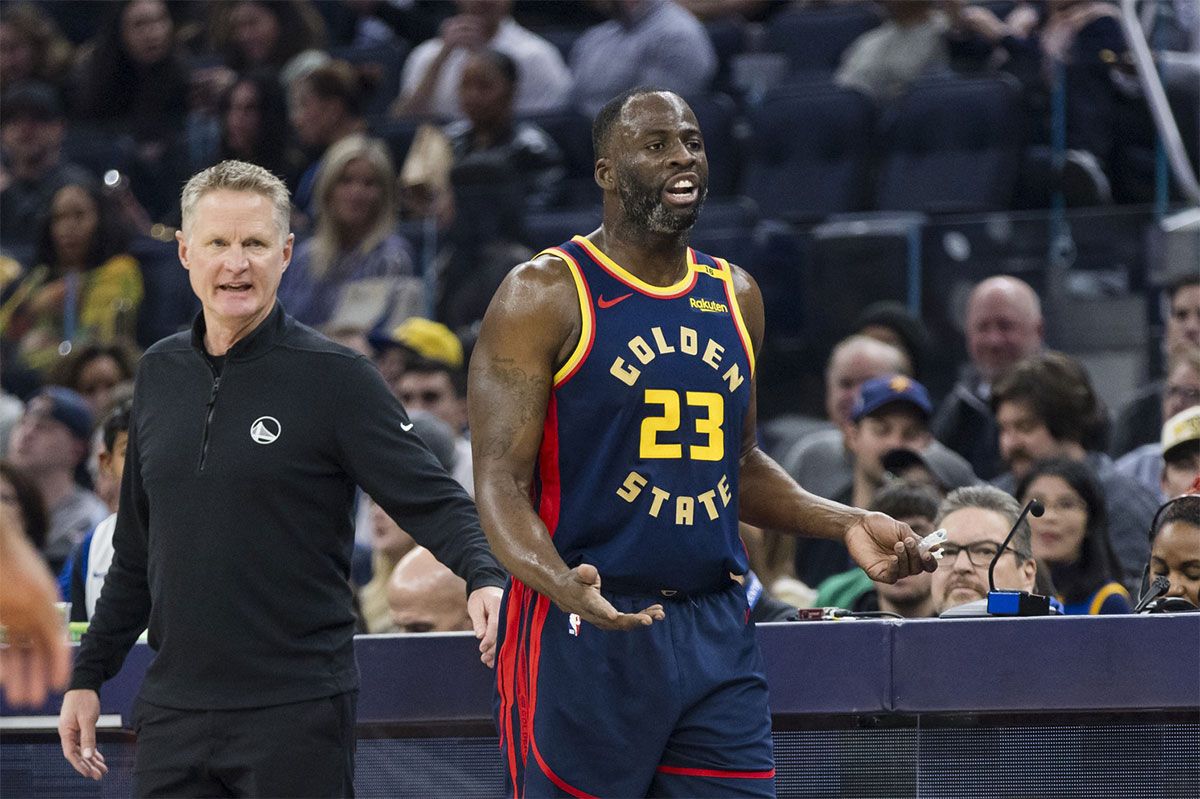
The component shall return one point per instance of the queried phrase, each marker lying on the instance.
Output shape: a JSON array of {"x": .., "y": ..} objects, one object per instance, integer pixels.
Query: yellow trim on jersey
[
  {"x": 585, "y": 313},
  {"x": 1103, "y": 594},
  {"x": 727, "y": 276},
  {"x": 633, "y": 280}
]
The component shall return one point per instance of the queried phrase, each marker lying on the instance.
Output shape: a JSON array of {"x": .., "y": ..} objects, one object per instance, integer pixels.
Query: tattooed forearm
[{"x": 521, "y": 398}]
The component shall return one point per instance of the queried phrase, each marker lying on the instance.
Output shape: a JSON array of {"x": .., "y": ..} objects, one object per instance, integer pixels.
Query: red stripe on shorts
[{"x": 712, "y": 772}]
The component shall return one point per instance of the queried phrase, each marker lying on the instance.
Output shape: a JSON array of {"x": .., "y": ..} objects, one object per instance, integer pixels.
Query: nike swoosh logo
[
  {"x": 406, "y": 427},
  {"x": 603, "y": 303}
]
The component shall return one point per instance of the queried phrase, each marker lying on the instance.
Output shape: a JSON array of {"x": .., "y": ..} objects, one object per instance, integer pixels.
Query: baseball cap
[
  {"x": 880, "y": 391},
  {"x": 64, "y": 406},
  {"x": 427, "y": 338},
  {"x": 1181, "y": 428},
  {"x": 949, "y": 469},
  {"x": 34, "y": 99}
]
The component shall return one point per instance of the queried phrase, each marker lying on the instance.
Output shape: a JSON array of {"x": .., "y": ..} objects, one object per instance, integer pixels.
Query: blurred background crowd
[{"x": 952, "y": 194}]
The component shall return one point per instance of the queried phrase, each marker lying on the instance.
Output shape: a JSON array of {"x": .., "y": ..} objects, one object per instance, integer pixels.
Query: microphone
[
  {"x": 1016, "y": 603},
  {"x": 1160, "y": 586}
]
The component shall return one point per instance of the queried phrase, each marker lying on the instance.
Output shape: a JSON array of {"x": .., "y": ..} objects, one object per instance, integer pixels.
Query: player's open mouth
[
  {"x": 683, "y": 190},
  {"x": 234, "y": 287}
]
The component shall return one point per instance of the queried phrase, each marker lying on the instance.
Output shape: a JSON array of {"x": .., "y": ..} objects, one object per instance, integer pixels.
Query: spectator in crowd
[
  {"x": 489, "y": 145},
  {"x": 355, "y": 248},
  {"x": 275, "y": 35},
  {"x": 85, "y": 287},
  {"x": 325, "y": 106},
  {"x": 977, "y": 519},
  {"x": 32, "y": 129},
  {"x": 497, "y": 169},
  {"x": 415, "y": 338},
  {"x": 935, "y": 467},
  {"x": 646, "y": 42},
  {"x": 1071, "y": 537},
  {"x": 32, "y": 48},
  {"x": 890, "y": 412},
  {"x": 94, "y": 370},
  {"x": 252, "y": 126},
  {"x": 49, "y": 444},
  {"x": 892, "y": 323},
  {"x": 440, "y": 387},
  {"x": 1180, "y": 392},
  {"x": 1140, "y": 420},
  {"x": 389, "y": 542},
  {"x": 1175, "y": 548},
  {"x": 820, "y": 461},
  {"x": 1045, "y": 407},
  {"x": 135, "y": 82},
  {"x": 426, "y": 597},
  {"x": 916, "y": 506},
  {"x": 11, "y": 409},
  {"x": 1003, "y": 325},
  {"x": 19, "y": 491},
  {"x": 429, "y": 85},
  {"x": 885, "y": 61},
  {"x": 36, "y": 658},
  {"x": 1181, "y": 452},
  {"x": 83, "y": 574}
]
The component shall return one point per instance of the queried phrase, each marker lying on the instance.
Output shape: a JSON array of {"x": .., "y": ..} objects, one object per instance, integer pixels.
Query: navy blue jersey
[{"x": 637, "y": 472}]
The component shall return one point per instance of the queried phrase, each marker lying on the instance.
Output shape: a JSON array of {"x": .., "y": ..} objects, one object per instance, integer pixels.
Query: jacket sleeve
[
  {"x": 124, "y": 605},
  {"x": 399, "y": 472}
]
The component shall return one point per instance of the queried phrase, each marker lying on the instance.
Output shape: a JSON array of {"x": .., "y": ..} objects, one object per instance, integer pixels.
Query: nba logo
[{"x": 573, "y": 620}]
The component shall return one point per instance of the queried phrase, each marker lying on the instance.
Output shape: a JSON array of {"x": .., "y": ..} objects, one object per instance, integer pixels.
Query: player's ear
[{"x": 605, "y": 178}]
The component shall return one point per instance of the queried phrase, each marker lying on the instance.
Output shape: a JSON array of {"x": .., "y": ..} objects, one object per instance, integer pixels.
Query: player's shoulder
[{"x": 546, "y": 274}]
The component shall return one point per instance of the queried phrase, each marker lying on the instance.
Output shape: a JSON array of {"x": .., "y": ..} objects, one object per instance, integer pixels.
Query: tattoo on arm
[{"x": 527, "y": 394}]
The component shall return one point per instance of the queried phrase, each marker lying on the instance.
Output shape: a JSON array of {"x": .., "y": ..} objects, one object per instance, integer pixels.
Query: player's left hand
[
  {"x": 886, "y": 549},
  {"x": 483, "y": 606}
]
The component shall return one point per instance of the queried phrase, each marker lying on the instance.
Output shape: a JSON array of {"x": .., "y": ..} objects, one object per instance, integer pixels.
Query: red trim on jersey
[
  {"x": 548, "y": 475},
  {"x": 712, "y": 772},
  {"x": 691, "y": 284},
  {"x": 738, "y": 325}
]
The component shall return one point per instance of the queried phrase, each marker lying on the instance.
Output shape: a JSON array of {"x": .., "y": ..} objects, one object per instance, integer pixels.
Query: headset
[{"x": 1155, "y": 602}]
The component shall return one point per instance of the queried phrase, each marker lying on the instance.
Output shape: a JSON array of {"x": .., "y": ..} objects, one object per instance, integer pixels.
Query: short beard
[{"x": 648, "y": 212}]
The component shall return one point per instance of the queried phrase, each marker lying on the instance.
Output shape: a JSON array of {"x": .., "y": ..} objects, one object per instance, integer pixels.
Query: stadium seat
[
  {"x": 808, "y": 152},
  {"x": 814, "y": 39},
  {"x": 951, "y": 145}
]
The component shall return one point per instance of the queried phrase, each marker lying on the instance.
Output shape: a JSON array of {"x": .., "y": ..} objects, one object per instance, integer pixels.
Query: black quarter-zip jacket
[{"x": 235, "y": 531}]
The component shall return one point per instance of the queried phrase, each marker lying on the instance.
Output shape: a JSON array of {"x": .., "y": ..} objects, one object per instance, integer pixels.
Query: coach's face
[
  {"x": 658, "y": 163},
  {"x": 235, "y": 255}
]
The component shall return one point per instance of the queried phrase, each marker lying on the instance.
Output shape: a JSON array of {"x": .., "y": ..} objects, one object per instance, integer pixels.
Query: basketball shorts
[{"x": 675, "y": 709}]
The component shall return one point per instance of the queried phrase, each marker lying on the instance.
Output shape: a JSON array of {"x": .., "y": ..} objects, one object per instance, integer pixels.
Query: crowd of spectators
[{"x": 420, "y": 138}]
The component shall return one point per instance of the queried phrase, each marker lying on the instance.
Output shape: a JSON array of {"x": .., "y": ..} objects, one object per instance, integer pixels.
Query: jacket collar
[{"x": 255, "y": 343}]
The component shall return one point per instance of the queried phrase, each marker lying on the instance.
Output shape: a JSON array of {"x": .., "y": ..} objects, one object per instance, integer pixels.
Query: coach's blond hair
[{"x": 237, "y": 176}]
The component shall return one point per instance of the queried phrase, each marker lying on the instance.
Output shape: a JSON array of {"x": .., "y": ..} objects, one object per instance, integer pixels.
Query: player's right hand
[
  {"x": 581, "y": 594},
  {"x": 77, "y": 731}
]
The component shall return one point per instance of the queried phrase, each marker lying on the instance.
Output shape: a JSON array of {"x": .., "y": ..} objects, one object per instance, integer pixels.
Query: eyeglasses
[{"x": 980, "y": 553}]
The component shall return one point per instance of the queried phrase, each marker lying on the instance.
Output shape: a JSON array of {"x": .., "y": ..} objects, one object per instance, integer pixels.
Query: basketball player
[{"x": 611, "y": 400}]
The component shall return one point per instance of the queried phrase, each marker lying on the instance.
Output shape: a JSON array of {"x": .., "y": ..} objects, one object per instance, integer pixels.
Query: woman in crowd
[
  {"x": 94, "y": 371},
  {"x": 253, "y": 33},
  {"x": 1175, "y": 548},
  {"x": 1071, "y": 537},
  {"x": 252, "y": 118},
  {"x": 85, "y": 286},
  {"x": 136, "y": 81},
  {"x": 354, "y": 245},
  {"x": 31, "y": 47},
  {"x": 324, "y": 107}
]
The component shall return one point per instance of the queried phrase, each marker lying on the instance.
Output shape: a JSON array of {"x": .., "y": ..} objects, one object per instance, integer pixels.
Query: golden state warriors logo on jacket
[{"x": 637, "y": 472}]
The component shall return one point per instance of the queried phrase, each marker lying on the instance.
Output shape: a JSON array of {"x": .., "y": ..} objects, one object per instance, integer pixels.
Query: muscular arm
[
  {"x": 530, "y": 328},
  {"x": 769, "y": 497}
]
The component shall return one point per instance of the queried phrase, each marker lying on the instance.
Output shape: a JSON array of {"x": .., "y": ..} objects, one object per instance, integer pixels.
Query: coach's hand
[
  {"x": 886, "y": 549},
  {"x": 77, "y": 731},
  {"x": 580, "y": 593},
  {"x": 483, "y": 606}
]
